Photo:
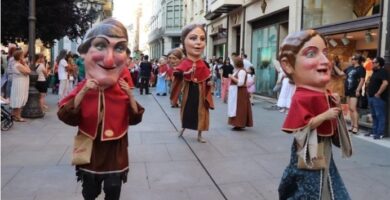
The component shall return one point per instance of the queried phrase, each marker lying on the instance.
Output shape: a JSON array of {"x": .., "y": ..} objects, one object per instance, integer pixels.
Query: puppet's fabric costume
[
  {"x": 197, "y": 98},
  {"x": 323, "y": 183},
  {"x": 103, "y": 116},
  {"x": 239, "y": 105},
  {"x": 177, "y": 85}
]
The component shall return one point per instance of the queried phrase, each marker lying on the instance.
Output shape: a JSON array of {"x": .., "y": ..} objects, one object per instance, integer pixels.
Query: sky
[{"x": 124, "y": 11}]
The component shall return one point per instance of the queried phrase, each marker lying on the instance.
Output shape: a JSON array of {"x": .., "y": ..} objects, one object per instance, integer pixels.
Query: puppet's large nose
[{"x": 109, "y": 59}]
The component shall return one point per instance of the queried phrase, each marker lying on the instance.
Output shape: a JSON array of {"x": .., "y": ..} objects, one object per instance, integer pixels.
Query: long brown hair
[{"x": 177, "y": 52}]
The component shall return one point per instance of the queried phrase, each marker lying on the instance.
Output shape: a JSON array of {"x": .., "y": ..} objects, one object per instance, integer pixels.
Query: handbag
[
  {"x": 310, "y": 152},
  {"x": 318, "y": 163},
  {"x": 82, "y": 150}
]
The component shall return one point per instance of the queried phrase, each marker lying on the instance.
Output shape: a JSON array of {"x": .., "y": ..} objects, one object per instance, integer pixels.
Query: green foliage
[{"x": 54, "y": 20}]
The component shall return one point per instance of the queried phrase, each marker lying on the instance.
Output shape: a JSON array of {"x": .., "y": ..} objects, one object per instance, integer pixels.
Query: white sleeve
[
  {"x": 241, "y": 78},
  {"x": 63, "y": 63}
]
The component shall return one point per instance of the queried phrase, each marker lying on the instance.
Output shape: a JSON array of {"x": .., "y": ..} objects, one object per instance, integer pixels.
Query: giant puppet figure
[
  {"x": 197, "y": 98},
  {"x": 103, "y": 106},
  {"x": 315, "y": 119}
]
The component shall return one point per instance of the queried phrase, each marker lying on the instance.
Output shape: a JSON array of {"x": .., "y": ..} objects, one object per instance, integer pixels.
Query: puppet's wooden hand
[
  {"x": 125, "y": 87},
  {"x": 90, "y": 84},
  {"x": 332, "y": 113}
]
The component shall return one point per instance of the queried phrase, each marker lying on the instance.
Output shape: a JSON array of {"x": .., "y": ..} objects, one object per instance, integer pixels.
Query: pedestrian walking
[
  {"x": 175, "y": 57},
  {"x": 197, "y": 98},
  {"x": 314, "y": 119},
  {"x": 377, "y": 95},
  {"x": 145, "y": 69},
  {"x": 103, "y": 106},
  {"x": 239, "y": 106}
]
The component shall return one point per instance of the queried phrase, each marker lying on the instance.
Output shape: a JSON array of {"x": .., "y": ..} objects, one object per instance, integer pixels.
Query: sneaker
[
  {"x": 368, "y": 134},
  {"x": 378, "y": 137}
]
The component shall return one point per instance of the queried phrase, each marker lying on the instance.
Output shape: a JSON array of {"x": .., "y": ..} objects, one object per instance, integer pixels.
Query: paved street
[{"x": 243, "y": 165}]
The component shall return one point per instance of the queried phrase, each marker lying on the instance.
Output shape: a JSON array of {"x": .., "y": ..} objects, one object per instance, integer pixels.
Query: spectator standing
[
  {"x": 62, "y": 74},
  {"x": 286, "y": 93},
  {"x": 217, "y": 76},
  {"x": 20, "y": 84},
  {"x": 145, "y": 72},
  {"x": 247, "y": 63},
  {"x": 336, "y": 84},
  {"x": 353, "y": 85},
  {"x": 377, "y": 95},
  {"x": 42, "y": 83},
  {"x": 81, "y": 68},
  {"x": 251, "y": 83},
  {"x": 227, "y": 69},
  {"x": 10, "y": 66},
  {"x": 72, "y": 72}
]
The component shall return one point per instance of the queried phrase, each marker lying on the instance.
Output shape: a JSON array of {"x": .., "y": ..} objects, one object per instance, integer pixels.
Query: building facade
[
  {"x": 257, "y": 28},
  {"x": 165, "y": 26}
]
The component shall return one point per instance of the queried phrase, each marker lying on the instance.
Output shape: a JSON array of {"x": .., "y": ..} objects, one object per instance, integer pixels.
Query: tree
[{"x": 55, "y": 19}]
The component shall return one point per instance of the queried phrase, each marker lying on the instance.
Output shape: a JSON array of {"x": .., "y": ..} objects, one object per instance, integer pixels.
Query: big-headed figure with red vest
[
  {"x": 103, "y": 106},
  {"x": 197, "y": 98}
]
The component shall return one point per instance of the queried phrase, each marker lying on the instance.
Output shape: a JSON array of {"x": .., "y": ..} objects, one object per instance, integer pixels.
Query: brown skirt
[{"x": 243, "y": 116}]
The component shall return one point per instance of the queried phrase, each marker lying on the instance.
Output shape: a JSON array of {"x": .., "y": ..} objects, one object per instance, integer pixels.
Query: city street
[{"x": 234, "y": 165}]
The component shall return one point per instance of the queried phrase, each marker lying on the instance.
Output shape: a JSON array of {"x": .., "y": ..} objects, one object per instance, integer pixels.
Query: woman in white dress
[
  {"x": 20, "y": 83},
  {"x": 286, "y": 93}
]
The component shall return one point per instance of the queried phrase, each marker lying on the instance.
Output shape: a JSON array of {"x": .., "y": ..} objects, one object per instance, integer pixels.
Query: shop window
[
  {"x": 323, "y": 12},
  {"x": 264, "y": 49}
]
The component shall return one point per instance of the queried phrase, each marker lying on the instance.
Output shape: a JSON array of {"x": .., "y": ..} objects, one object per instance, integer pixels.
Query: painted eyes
[
  {"x": 121, "y": 48},
  {"x": 313, "y": 52},
  {"x": 102, "y": 45},
  {"x": 194, "y": 38}
]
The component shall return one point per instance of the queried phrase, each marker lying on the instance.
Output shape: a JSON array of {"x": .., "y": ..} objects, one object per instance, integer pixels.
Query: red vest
[
  {"x": 115, "y": 105},
  {"x": 306, "y": 104},
  {"x": 202, "y": 72}
]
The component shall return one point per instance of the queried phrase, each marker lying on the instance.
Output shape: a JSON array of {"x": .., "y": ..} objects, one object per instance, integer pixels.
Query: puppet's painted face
[
  {"x": 173, "y": 60},
  {"x": 312, "y": 67},
  {"x": 195, "y": 43},
  {"x": 105, "y": 60}
]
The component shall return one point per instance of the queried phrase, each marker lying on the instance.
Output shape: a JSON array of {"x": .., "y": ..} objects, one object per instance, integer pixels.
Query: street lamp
[{"x": 32, "y": 108}]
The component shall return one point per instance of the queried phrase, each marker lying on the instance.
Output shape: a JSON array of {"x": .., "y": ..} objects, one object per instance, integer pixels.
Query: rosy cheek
[
  {"x": 120, "y": 60},
  {"x": 97, "y": 57},
  {"x": 309, "y": 65}
]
